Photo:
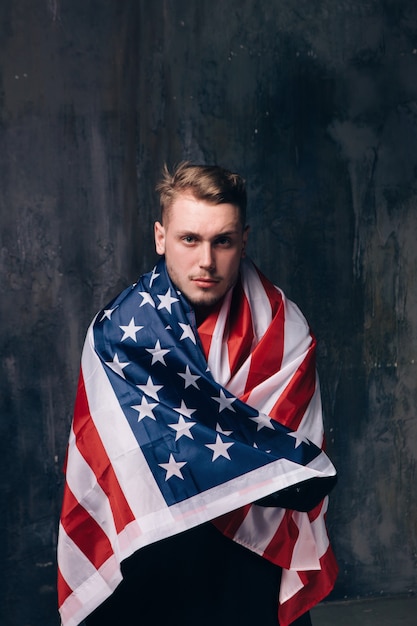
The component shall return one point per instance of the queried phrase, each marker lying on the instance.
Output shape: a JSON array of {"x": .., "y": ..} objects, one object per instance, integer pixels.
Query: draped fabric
[{"x": 175, "y": 426}]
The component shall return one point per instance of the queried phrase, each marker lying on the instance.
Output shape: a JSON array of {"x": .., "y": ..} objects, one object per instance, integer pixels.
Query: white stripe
[
  {"x": 237, "y": 384},
  {"x": 304, "y": 556},
  {"x": 259, "y": 527},
  {"x": 218, "y": 359},
  {"x": 291, "y": 584},
  {"x": 297, "y": 336},
  {"x": 258, "y": 300},
  {"x": 318, "y": 527},
  {"x": 311, "y": 424}
]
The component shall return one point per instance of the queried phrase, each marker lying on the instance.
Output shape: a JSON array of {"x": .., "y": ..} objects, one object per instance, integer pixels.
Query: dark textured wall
[{"x": 315, "y": 103}]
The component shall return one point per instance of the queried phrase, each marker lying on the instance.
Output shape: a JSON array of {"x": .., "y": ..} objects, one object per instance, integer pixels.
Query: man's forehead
[{"x": 187, "y": 206}]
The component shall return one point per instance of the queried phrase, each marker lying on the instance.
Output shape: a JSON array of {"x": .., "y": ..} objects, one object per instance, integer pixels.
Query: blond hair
[{"x": 211, "y": 183}]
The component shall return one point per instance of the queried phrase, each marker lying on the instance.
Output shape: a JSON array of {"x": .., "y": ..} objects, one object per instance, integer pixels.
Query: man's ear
[{"x": 159, "y": 233}]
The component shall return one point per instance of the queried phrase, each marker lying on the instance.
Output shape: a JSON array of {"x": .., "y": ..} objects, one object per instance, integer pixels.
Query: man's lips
[{"x": 204, "y": 281}]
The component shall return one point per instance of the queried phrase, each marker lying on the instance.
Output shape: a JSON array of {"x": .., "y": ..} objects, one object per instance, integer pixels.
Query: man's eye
[
  {"x": 223, "y": 241},
  {"x": 188, "y": 239}
]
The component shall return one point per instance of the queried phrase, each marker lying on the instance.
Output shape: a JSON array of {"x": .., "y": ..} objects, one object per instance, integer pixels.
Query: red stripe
[
  {"x": 84, "y": 531},
  {"x": 280, "y": 548},
  {"x": 64, "y": 590},
  {"x": 240, "y": 340},
  {"x": 267, "y": 355},
  {"x": 91, "y": 447},
  {"x": 293, "y": 402},
  {"x": 206, "y": 329}
]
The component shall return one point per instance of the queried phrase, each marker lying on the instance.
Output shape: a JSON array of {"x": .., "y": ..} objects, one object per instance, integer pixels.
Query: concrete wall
[{"x": 315, "y": 103}]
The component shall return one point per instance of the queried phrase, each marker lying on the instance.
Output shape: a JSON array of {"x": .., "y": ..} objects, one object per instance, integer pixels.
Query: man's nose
[{"x": 206, "y": 256}]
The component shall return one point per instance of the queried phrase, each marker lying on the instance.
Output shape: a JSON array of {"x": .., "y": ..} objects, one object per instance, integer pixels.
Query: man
[{"x": 194, "y": 464}]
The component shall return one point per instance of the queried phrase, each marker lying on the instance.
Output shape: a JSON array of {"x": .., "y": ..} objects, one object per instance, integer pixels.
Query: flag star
[
  {"x": 145, "y": 409},
  {"x": 147, "y": 299},
  {"x": 130, "y": 330},
  {"x": 224, "y": 401},
  {"x": 173, "y": 468},
  {"x": 158, "y": 353},
  {"x": 166, "y": 300},
  {"x": 184, "y": 410},
  {"x": 187, "y": 332},
  {"x": 150, "y": 389},
  {"x": 154, "y": 276},
  {"x": 182, "y": 428},
  {"x": 190, "y": 379},
  {"x": 220, "y": 430},
  {"x": 299, "y": 438},
  {"x": 219, "y": 448},
  {"x": 107, "y": 313},
  {"x": 116, "y": 366},
  {"x": 263, "y": 421}
]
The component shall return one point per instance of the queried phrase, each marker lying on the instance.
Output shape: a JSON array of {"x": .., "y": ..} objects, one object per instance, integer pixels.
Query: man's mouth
[{"x": 204, "y": 281}]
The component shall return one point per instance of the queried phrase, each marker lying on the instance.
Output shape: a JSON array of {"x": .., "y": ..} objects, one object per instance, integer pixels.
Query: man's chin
[
  {"x": 202, "y": 303},
  {"x": 205, "y": 302}
]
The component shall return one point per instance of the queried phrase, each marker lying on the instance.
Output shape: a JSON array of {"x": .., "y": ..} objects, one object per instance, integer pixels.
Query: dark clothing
[{"x": 197, "y": 578}]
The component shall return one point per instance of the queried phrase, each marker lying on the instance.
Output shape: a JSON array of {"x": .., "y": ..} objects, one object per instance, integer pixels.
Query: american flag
[{"x": 174, "y": 426}]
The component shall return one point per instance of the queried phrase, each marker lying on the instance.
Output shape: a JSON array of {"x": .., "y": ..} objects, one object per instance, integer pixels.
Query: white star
[
  {"x": 157, "y": 353},
  {"x": 145, "y": 409},
  {"x": 131, "y": 330},
  {"x": 224, "y": 402},
  {"x": 182, "y": 428},
  {"x": 116, "y": 366},
  {"x": 107, "y": 314},
  {"x": 150, "y": 389},
  {"x": 220, "y": 430},
  {"x": 184, "y": 410},
  {"x": 187, "y": 332},
  {"x": 154, "y": 276},
  {"x": 173, "y": 468},
  {"x": 166, "y": 300},
  {"x": 219, "y": 448},
  {"x": 263, "y": 421},
  {"x": 299, "y": 438},
  {"x": 190, "y": 379},
  {"x": 147, "y": 299}
]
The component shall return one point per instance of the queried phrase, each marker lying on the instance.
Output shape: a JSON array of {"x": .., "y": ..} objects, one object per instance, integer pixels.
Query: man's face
[{"x": 203, "y": 244}]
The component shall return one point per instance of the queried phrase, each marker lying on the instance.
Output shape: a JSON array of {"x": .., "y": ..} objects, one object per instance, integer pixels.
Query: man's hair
[{"x": 211, "y": 183}]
